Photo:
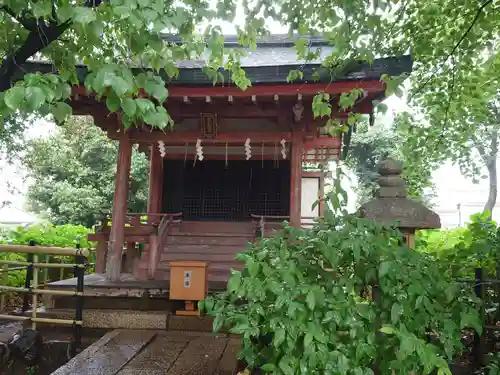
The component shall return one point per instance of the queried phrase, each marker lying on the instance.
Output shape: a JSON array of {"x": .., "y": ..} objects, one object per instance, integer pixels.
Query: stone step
[
  {"x": 153, "y": 303},
  {"x": 138, "y": 352},
  {"x": 100, "y": 320},
  {"x": 109, "y": 318}
]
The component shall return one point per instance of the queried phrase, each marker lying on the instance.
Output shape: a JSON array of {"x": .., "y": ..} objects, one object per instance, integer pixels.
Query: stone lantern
[{"x": 391, "y": 204}]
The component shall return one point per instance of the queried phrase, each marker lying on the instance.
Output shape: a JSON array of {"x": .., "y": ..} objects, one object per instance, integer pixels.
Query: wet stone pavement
[{"x": 148, "y": 352}]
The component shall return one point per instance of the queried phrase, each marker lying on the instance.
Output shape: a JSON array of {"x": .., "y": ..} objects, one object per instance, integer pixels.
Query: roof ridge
[{"x": 271, "y": 40}]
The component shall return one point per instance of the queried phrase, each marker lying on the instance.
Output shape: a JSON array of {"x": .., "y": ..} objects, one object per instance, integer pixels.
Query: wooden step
[
  {"x": 197, "y": 239},
  {"x": 205, "y": 249},
  {"x": 215, "y": 227},
  {"x": 202, "y": 257}
]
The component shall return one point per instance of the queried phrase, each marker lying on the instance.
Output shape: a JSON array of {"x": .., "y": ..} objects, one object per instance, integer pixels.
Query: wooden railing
[
  {"x": 263, "y": 222},
  {"x": 158, "y": 241},
  {"x": 270, "y": 222},
  {"x": 134, "y": 220}
]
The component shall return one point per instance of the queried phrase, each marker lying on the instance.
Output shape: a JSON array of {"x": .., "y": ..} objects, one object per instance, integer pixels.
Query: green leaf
[
  {"x": 112, "y": 102},
  {"x": 253, "y": 267},
  {"x": 407, "y": 346},
  {"x": 471, "y": 319},
  {"x": 396, "y": 312},
  {"x": 129, "y": 106},
  {"x": 279, "y": 337},
  {"x": 240, "y": 328},
  {"x": 218, "y": 322},
  {"x": 268, "y": 367},
  {"x": 286, "y": 365},
  {"x": 144, "y": 105},
  {"x": 382, "y": 108},
  {"x": 384, "y": 269},
  {"x": 311, "y": 300},
  {"x": 61, "y": 111},
  {"x": 446, "y": 371},
  {"x": 120, "y": 86},
  {"x": 65, "y": 12},
  {"x": 42, "y": 9},
  {"x": 329, "y": 316},
  {"x": 14, "y": 97},
  {"x": 159, "y": 92},
  {"x": 308, "y": 340},
  {"x": 201, "y": 305},
  {"x": 83, "y": 15},
  {"x": 294, "y": 75},
  {"x": 234, "y": 282},
  {"x": 209, "y": 304},
  {"x": 388, "y": 330},
  {"x": 34, "y": 97}
]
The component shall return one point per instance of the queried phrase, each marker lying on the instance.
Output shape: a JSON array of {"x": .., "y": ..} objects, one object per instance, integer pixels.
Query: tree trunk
[
  {"x": 493, "y": 187},
  {"x": 490, "y": 161}
]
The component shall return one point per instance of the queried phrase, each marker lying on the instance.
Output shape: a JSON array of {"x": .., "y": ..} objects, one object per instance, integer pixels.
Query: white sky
[{"x": 452, "y": 187}]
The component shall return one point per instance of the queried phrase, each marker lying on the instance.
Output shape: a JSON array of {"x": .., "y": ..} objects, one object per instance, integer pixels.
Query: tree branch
[
  {"x": 36, "y": 41},
  {"x": 462, "y": 38},
  {"x": 28, "y": 24},
  {"x": 482, "y": 151},
  {"x": 494, "y": 144},
  {"x": 40, "y": 36}
]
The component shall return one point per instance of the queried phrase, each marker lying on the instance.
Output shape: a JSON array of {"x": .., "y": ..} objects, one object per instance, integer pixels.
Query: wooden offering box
[{"x": 189, "y": 283}]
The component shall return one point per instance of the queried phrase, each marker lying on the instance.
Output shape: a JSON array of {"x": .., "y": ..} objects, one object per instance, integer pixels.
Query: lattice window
[{"x": 210, "y": 191}]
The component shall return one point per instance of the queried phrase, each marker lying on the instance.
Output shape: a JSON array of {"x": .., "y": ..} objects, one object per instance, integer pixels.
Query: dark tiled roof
[
  {"x": 270, "y": 63},
  {"x": 277, "y": 74},
  {"x": 273, "y": 50},
  {"x": 274, "y": 40}
]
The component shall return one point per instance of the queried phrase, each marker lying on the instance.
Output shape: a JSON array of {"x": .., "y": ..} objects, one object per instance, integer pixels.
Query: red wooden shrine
[{"x": 232, "y": 163}]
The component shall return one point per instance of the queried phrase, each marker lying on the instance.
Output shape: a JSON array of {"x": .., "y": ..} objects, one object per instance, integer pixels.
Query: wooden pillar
[
  {"x": 100, "y": 262},
  {"x": 155, "y": 180},
  {"x": 295, "y": 178},
  {"x": 117, "y": 235},
  {"x": 130, "y": 257}
]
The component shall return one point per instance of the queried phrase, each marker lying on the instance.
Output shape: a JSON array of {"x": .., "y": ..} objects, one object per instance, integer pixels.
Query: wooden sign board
[{"x": 188, "y": 282}]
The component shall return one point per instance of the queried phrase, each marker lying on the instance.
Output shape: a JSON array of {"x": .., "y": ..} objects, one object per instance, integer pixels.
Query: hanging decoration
[
  {"x": 283, "y": 148},
  {"x": 199, "y": 150},
  {"x": 162, "y": 148},
  {"x": 186, "y": 154},
  {"x": 248, "y": 149}
]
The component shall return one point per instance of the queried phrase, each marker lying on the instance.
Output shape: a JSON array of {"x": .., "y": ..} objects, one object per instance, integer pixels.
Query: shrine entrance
[{"x": 220, "y": 190}]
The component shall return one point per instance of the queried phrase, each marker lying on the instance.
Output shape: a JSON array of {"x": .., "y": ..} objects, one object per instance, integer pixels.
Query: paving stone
[
  {"x": 108, "y": 355},
  {"x": 201, "y": 357}
]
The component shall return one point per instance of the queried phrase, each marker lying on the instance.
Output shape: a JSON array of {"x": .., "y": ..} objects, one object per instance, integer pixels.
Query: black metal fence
[{"x": 488, "y": 291}]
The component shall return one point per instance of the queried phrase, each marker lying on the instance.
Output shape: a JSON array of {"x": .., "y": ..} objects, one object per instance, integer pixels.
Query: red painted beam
[
  {"x": 190, "y": 157},
  {"x": 371, "y": 86},
  {"x": 270, "y": 90},
  {"x": 182, "y": 137},
  {"x": 322, "y": 142}
]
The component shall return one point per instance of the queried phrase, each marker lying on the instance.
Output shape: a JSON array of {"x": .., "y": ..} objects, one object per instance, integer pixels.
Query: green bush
[
  {"x": 343, "y": 298},
  {"x": 45, "y": 235},
  {"x": 463, "y": 249},
  {"x": 49, "y": 235},
  {"x": 433, "y": 241}
]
